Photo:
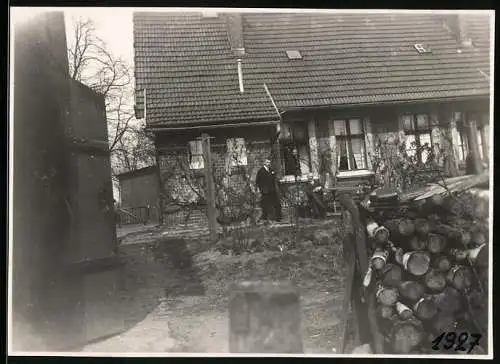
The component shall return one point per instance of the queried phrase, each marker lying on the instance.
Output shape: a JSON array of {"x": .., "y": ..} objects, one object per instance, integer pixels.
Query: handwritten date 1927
[{"x": 463, "y": 341}]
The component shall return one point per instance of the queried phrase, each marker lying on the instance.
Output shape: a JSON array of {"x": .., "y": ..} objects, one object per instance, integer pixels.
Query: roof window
[
  {"x": 422, "y": 48},
  {"x": 293, "y": 54}
]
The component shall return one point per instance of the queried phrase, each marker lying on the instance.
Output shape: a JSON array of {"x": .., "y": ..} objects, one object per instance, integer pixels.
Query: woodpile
[{"x": 429, "y": 275}]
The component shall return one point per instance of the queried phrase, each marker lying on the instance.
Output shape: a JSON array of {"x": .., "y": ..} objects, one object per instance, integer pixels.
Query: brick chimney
[
  {"x": 457, "y": 26},
  {"x": 234, "y": 27}
]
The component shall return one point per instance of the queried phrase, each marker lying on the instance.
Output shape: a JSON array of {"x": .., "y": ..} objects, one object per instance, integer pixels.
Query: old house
[{"x": 332, "y": 85}]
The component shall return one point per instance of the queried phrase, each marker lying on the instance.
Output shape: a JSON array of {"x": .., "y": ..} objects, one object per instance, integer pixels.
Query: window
[
  {"x": 421, "y": 48},
  {"x": 351, "y": 149},
  {"x": 293, "y": 54},
  {"x": 196, "y": 155},
  {"x": 417, "y": 130},
  {"x": 295, "y": 149},
  {"x": 462, "y": 138},
  {"x": 480, "y": 143},
  {"x": 237, "y": 152}
]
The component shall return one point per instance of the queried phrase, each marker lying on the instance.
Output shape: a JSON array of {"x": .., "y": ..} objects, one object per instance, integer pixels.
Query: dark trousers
[{"x": 270, "y": 204}]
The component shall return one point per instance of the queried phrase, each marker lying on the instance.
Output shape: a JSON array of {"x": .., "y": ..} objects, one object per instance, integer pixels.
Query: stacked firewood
[{"x": 430, "y": 276}]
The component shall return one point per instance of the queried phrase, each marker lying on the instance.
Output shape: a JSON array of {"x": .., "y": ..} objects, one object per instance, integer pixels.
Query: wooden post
[
  {"x": 473, "y": 147},
  {"x": 264, "y": 317},
  {"x": 161, "y": 183},
  {"x": 276, "y": 150},
  {"x": 332, "y": 142},
  {"x": 210, "y": 191},
  {"x": 313, "y": 147},
  {"x": 484, "y": 138}
]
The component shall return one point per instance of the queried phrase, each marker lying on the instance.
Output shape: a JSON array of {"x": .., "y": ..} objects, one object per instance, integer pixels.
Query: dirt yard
[{"x": 176, "y": 289}]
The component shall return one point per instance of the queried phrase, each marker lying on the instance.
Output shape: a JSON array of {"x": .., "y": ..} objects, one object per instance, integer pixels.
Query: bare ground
[{"x": 176, "y": 289}]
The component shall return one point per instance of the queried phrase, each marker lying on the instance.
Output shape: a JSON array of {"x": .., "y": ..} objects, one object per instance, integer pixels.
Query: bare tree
[{"x": 93, "y": 64}]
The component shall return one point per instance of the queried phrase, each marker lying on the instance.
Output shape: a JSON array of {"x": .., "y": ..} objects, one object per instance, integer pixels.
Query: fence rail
[{"x": 135, "y": 215}]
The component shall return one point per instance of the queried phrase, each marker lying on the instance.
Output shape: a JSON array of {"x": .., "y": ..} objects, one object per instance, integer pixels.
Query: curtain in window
[
  {"x": 425, "y": 144},
  {"x": 196, "y": 154},
  {"x": 237, "y": 151},
  {"x": 358, "y": 150},
  {"x": 480, "y": 143},
  {"x": 342, "y": 159},
  {"x": 355, "y": 127}
]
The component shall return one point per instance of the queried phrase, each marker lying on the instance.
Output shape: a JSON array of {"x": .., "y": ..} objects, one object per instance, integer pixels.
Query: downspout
[
  {"x": 278, "y": 130},
  {"x": 240, "y": 76}
]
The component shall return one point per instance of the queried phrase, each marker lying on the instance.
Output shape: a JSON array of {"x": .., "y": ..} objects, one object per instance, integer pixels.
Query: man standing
[{"x": 266, "y": 182}]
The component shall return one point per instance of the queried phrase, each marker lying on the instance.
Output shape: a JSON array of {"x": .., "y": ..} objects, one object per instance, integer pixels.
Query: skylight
[
  {"x": 421, "y": 48},
  {"x": 293, "y": 54}
]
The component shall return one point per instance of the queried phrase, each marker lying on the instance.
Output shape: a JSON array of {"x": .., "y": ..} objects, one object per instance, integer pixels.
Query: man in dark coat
[{"x": 266, "y": 182}]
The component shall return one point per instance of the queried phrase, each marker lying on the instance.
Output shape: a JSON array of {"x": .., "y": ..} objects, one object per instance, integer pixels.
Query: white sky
[{"x": 113, "y": 25}]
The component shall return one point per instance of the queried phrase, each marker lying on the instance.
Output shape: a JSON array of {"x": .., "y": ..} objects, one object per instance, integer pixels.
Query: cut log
[
  {"x": 385, "y": 312},
  {"x": 478, "y": 236},
  {"x": 417, "y": 243},
  {"x": 406, "y": 335},
  {"x": 462, "y": 237},
  {"x": 387, "y": 296},
  {"x": 411, "y": 290},
  {"x": 378, "y": 233},
  {"x": 436, "y": 243},
  {"x": 399, "y": 228},
  {"x": 448, "y": 301},
  {"x": 416, "y": 262},
  {"x": 444, "y": 323},
  {"x": 391, "y": 275},
  {"x": 477, "y": 300},
  {"x": 422, "y": 227},
  {"x": 379, "y": 259},
  {"x": 403, "y": 311},
  {"x": 441, "y": 263},
  {"x": 397, "y": 253},
  {"x": 425, "y": 309},
  {"x": 478, "y": 257},
  {"x": 435, "y": 280},
  {"x": 459, "y": 277}
]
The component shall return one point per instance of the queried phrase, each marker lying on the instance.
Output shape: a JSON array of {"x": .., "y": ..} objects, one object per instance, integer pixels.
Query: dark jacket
[{"x": 266, "y": 181}]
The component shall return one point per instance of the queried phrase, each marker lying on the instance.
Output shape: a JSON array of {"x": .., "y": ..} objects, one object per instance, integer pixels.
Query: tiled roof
[{"x": 190, "y": 72}]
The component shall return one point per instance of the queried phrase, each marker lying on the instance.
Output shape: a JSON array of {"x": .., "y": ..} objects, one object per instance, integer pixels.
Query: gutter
[
  {"x": 213, "y": 126},
  {"x": 387, "y": 103}
]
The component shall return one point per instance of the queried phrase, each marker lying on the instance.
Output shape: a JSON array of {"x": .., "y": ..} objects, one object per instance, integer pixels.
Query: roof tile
[{"x": 186, "y": 63}]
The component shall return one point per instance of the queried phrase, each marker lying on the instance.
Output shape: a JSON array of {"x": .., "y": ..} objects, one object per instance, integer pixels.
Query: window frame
[
  {"x": 191, "y": 155},
  {"x": 292, "y": 141},
  {"x": 233, "y": 163},
  {"x": 348, "y": 142},
  {"x": 417, "y": 133}
]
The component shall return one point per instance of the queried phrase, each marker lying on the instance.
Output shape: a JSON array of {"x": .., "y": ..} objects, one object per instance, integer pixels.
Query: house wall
[
  {"x": 173, "y": 160},
  {"x": 384, "y": 124},
  {"x": 381, "y": 123}
]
